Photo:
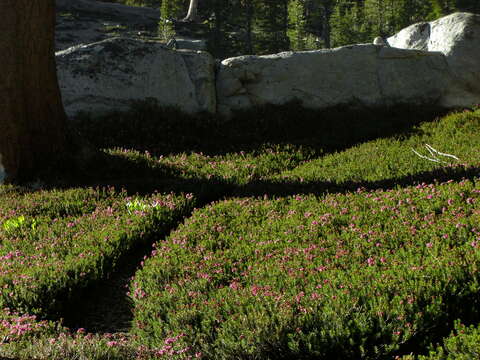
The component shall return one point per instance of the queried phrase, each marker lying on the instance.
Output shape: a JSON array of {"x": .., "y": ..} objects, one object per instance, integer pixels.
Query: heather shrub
[
  {"x": 369, "y": 252},
  {"x": 55, "y": 243},
  {"x": 462, "y": 344},
  {"x": 392, "y": 157},
  {"x": 341, "y": 276}
]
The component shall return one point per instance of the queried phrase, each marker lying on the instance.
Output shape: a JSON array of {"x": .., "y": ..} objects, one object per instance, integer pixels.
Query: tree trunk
[
  {"x": 249, "y": 27},
  {"x": 328, "y": 9},
  {"x": 192, "y": 11},
  {"x": 32, "y": 121}
]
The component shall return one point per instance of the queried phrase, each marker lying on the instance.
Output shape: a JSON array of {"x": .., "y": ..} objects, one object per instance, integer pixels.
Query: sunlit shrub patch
[
  {"x": 237, "y": 168},
  {"x": 15, "y": 326},
  {"x": 24, "y": 337},
  {"x": 54, "y": 243},
  {"x": 392, "y": 157},
  {"x": 365, "y": 274},
  {"x": 342, "y": 276}
]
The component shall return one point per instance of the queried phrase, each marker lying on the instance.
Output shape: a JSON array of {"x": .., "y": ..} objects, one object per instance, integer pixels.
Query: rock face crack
[{"x": 203, "y": 79}]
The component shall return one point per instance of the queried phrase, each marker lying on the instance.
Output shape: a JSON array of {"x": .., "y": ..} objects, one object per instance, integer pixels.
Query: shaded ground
[{"x": 105, "y": 307}]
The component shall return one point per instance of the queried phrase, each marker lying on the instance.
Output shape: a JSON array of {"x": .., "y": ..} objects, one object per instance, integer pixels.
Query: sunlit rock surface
[
  {"x": 435, "y": 64},
  {"x": 357, "y": 76},
  {"x": 108, "y": 75},
  {"x": 457, "y": 36}
]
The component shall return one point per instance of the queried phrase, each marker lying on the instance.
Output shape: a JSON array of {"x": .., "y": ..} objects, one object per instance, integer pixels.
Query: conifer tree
[
  {"x": 468, "y": 5},
  {"x": 169, "y": 10},
  {"x": 192, "y": 13},
  {"x": 32, "y": 121},
  {"x": 348, "y": 24},
  {"x": 271, "y": 23},
  {"x": 297, "y": 25}
]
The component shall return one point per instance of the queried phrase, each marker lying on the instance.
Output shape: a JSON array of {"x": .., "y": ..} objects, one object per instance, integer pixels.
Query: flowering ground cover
[
  {"x": 342, "y": 276},
  {"x": 231, "y": 168},
  {"x": 54, "y": 243},
  {"x": 356, "y": 247},
  {"x": 462, "y": 344},
  {"x": 392, "y": 157},
  {"x": 290, "y": 169}
]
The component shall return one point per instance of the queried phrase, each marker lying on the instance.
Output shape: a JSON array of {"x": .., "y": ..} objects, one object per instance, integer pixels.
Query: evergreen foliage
[{"x": 239, "y": 27}]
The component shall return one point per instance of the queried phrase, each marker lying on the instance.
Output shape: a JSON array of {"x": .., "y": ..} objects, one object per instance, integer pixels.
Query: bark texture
[{"x": 32, "y": 121}]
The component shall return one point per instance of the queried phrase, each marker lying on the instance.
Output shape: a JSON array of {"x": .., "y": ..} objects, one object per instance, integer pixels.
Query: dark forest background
[{"x": 238, "y": 27}]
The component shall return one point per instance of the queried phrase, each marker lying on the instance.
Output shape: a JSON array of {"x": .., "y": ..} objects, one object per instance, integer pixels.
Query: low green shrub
[
  {"x": 462, "y": 344},
  {"x": 232, "y": 168},
  {"x": 15, "y": 327},
  {"x": 342, "y": 276},
  {"x": 24, "y": 337},
  {"x": 371, "y": 274},
  {"x": 55, "y": 243},
  {"x": 392, "y": 158},
  {"x": 51, "y": 343}
]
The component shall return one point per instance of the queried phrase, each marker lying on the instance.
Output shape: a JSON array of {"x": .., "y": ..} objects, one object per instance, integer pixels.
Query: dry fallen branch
[
  {"x": 434, "y": 155},
  {"x": 440, "y": 153}
]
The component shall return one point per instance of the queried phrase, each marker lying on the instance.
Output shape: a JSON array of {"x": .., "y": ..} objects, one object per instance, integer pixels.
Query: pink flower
[
  {"x": 371, "y": 261},
  {"x": 170, "y": 340},
  {"x": 429, "y": 245},
  {"x": 299, "y": 297},
  {"x": 234, "y": 285},
  {"x": 255, "y": 290}
]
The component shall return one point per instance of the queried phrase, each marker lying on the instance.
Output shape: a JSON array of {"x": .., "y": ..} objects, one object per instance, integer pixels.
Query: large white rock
[
  {"x": 88, "y": 21},
  {"x": 457, "y": 36},
  {"x": 358, "y": 75},
  {"x": 108, "y": 75},
  {"x": 435, "y": 64}
]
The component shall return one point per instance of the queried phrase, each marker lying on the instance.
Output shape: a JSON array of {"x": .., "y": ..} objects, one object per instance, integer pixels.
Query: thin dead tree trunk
[
  {"x": 32, "y": 121},
  {"x": 192, "y": 14}
]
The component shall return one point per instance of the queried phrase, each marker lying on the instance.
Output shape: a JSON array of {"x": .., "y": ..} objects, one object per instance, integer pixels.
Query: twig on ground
[
  {"x": 440, "y": 153},
  {"x": 434, "y": 155}
]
